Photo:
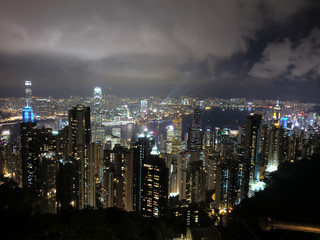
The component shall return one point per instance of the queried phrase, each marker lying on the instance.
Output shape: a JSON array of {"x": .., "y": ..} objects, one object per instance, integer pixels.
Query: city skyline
[
  {"x": 194, "y": 161},
  {"x": 253, "y": 49}
]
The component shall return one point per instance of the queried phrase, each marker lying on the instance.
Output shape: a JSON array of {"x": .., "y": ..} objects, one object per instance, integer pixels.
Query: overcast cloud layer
[{"x": 135, "y": 48}]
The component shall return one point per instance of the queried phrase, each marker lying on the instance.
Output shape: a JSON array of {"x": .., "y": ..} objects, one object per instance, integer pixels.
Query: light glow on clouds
[{"x": 294, "y": 61}]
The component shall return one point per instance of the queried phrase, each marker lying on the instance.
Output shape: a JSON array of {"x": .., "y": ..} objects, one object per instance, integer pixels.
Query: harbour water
[
  {"x": 215, "y": 117},
  {"x": 211, "y": 118}
]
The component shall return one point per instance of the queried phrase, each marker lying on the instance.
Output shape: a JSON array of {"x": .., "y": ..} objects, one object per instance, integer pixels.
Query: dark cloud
[
  {"x": 298, "y": 61},
  {"x": 143, "y": 47}
]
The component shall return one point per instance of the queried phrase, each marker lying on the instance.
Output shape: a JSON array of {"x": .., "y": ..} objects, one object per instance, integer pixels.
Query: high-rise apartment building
[
  {"x": 275, "y": 148},
  {"x": 78, "y": 142},
  {"x": 30, "y": 151},
  {"x": 67, "y": 183},
  {"x": 154, "y": 190},
  {"x": 150, "y": 191},
  {"x": 251, "y": 153},
  {"x": 114, "y": 180}
]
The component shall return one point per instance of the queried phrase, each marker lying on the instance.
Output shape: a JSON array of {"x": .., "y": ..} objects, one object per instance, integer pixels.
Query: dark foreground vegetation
[
  {"x": 20, "y": 218},
  {"x": 292, "y": 196}
]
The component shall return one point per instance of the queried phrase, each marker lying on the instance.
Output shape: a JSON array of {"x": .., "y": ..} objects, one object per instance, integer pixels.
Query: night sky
[{"x": 227, "y": 48}]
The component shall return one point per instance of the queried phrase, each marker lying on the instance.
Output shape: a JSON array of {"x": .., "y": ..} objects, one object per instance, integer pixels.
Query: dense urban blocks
[{"x": 164, "y": 160}]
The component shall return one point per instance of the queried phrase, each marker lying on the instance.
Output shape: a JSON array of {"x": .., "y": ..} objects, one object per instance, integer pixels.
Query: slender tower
[
  {"x": 30, "y": 151},
  {"x": 251, "y": 153},
  {"x": 78, "y": 142},
  {"x": 277, "y": 115},
  {"x": 28, "y": 91},
  {"x": 97, "y": 127}
]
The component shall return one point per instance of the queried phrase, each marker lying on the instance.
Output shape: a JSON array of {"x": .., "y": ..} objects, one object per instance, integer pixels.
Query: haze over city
[{"x": 253, "y": 49}]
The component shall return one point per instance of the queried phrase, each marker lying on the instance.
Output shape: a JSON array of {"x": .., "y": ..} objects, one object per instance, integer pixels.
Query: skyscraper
[
  {"x": 177, "y": 126},
  {"x": 114, "y": 180},
  {"x": 176, "y": 148},
  {"x": 277, "y": 115},
  {"x": 194, "y": 140},
  {"x": 195, "y": 133},
  {"x": 197, "y": 118},
  {"x": 142, "y": 149},
  {"x": 67, "y": 183},
  {"x": 150, "y": 191},
  {"x": 78, "y": 141},
  {"x": 97, "y": 127},
  {"x": 28, "y": 92},
  {"x": 251, "y": 153},
  {"x": 38, "y": 155},
  {"x": 30, "y": 151},
  {"x": 43, "y": 107},
  {"x": 154, "y": 189},
  {"x": 275, "y": 144}
]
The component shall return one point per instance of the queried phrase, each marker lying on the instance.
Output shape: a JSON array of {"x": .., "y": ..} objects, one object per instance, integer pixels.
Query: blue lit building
[
  {"x": 30, "y": 151},
  {"x": 27, "y": 115}
]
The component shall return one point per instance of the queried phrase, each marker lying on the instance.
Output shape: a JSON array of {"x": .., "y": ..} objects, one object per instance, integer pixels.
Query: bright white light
[
  {"x": 272, "y": 168},
  {"x": 155, "y": 151},
  {"x": 173, "y": 194},
  {"x": 97, "y": 90},
  {"x": 259, "y": 186},
  {"x": 6, "y": 132}
]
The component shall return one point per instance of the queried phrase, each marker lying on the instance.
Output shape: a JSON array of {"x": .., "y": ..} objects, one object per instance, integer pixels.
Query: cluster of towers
[
  {"x": 231, "y": 164},
  {"x": 72, "y": 168},
  {"x": 77, "y": 167}
]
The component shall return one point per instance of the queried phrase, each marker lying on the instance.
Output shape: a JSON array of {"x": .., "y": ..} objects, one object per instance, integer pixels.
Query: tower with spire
[{"x": 277, "y": 114}]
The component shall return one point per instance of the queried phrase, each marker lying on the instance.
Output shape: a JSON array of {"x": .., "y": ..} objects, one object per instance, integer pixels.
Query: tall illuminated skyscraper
[
  {"x": 170, "y": 136},
  {"x": 275, "y": 145},
  {"x": 30, "y": 151},
  {"x": 277, "y": 114},
  {"x": 28, "y": 92},
  {"x": 176, "y": 148},
  {"x": 97, "y": 127},
  {"x": 154, "y": 186},
  {"x": 177, "y": 126},
  {"x": 150, "y": 187},
  {"x": 38, "y": 159},
  {"x": 142, "y": 149},
  {"x": 251, "y": 153},
  {"x": 78, "y": 147}
]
